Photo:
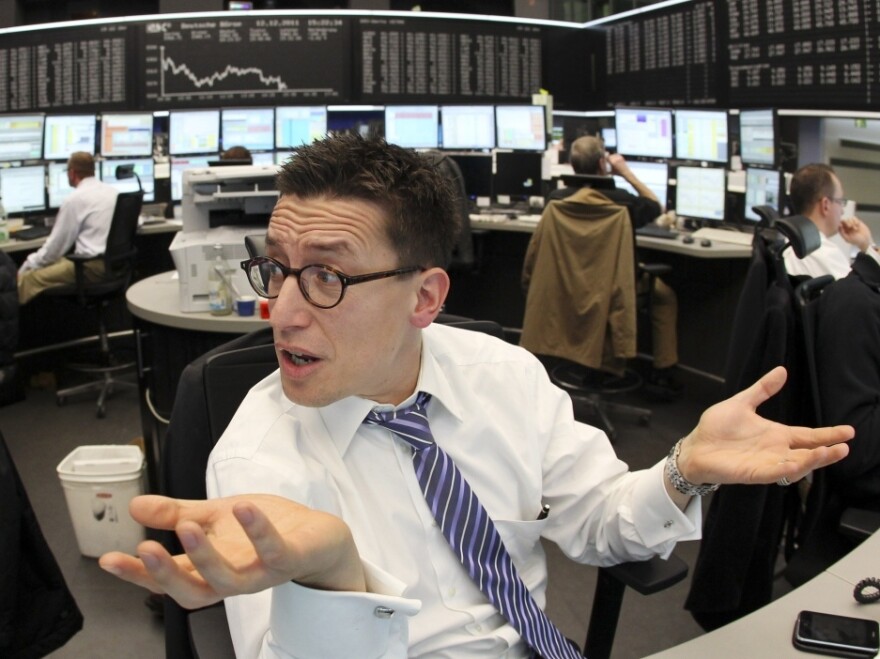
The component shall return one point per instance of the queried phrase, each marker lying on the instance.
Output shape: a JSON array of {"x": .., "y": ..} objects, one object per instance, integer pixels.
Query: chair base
[{"x": 104, "y": 386}]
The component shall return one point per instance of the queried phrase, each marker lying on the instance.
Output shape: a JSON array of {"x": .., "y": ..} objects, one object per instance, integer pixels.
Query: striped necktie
[{"x": 470, "y": 532}]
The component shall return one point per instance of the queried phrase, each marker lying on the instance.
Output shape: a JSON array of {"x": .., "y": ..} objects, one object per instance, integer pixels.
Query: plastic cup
[{"x": 246, "y": 305}]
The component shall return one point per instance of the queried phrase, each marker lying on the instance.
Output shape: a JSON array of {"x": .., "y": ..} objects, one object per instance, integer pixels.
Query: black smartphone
[{"x": 838, "y": 636}]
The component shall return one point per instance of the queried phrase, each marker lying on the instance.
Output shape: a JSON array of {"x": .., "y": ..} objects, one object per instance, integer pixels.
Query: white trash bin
[{"x": 99, "y": 482}]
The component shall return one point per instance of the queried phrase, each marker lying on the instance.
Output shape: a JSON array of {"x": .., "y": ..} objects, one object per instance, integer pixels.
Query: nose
[{"x": 290, "y": 309}]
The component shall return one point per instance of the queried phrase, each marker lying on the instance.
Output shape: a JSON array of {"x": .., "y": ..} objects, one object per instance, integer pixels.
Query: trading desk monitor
[
  {"x": 757, "y": 137},
  {"x": 412, "y": 126},
  {"x": 143, "y": 167},
  {"x": 476, "y": 170},
  {"x": 295, "y": 126},
  {"x": 58, "y": 186},
  {"x": 193, "y": 131},
  {"x": 655, "y": 175},
  {"x": 177, "y": 167},
  {"x": 700, "y": 193},
  {"x": 252, "y": 128},
  {"x": 127, "y": 135},
  {"x": 23, "y": 189},
  {"x": 609, "y": 137},
  {"x": 517, "y": 174},
  {"x": 468, "y": 126},
  {"x": 644, "y": 132},
  {"x": 763, "y": 188},
  {"x": 521, "y": 127},
  {"x": 21, "y": 136},
  {"x": 65, "y": 134},
  {"x": 701, "y": 135}
]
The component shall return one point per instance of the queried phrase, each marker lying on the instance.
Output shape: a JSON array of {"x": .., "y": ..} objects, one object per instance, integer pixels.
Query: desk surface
[
  {"x": 157, "y": 299},
  {"x": 718, "y": 249},
  {"x": 165, "y": 226}
]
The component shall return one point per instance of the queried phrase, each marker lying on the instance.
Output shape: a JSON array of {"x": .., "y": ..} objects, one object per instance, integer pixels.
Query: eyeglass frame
[
  {"x": 843, "y": 201},
  {"x": 346, "y": 280}
]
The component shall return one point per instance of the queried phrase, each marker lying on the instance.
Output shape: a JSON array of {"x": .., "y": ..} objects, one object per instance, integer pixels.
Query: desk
[
  {"x": 12, "y": 245},
  {"x": 767, "y": 631}
]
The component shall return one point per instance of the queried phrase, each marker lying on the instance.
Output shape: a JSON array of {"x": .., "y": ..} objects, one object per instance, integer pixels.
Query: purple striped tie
[{"x": 470, "y": 532}]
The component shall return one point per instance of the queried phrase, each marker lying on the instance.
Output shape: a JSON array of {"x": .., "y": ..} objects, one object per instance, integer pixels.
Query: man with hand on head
[{"x": 365, "y": 494}]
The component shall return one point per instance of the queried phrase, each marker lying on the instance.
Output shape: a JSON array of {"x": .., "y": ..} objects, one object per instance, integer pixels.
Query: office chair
[
  {"x": 463, "y": 254},
  {"x": 119, "y": 264}
]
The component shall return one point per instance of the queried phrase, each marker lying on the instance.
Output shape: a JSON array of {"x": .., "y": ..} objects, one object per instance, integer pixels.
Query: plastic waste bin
[{"x": 99, "y": 482}]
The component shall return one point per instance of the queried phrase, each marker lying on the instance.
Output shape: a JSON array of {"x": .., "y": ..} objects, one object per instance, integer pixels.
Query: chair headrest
[
  {"x": 801, "y": 233},
  {"x": 589, "y": 180},
  {"x": 768, "y": 215},
  {"x": 255, "y": 245}
]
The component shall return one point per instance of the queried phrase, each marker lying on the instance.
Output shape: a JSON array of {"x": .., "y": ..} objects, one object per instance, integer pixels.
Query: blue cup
[{"x": 246, "y": 305}]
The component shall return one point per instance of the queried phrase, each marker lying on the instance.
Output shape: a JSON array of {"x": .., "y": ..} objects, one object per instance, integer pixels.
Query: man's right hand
[{"x": 238, "y": 545}]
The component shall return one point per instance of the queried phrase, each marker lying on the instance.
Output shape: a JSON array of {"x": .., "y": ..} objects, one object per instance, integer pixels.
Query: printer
[{"x": 220, "y": 206}]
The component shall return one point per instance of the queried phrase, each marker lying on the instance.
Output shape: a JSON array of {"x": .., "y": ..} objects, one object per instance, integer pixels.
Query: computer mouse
[
  {"x": 687, "y": 240},
  {"x": 705, "y": 242}
]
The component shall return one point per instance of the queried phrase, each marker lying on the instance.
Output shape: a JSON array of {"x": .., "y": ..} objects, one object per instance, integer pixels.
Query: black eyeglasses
[{"x": 322, "y": 285}]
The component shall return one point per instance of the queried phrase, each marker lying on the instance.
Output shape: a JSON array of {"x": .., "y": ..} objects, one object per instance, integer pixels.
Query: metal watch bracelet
[{"x": 679, "y": 482}]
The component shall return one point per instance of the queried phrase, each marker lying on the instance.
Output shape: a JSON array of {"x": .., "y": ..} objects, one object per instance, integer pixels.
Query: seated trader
[
  {"x": 82, "y": 223},
  {"x": 816, "y": 193},
  {"x": 321, "y": 533},
  {"x": 588, "y": 156},
  {"x": 241, "y": 153}
]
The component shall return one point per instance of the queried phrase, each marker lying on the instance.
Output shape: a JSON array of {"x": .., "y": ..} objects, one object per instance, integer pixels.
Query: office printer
[{"x": 220, "y": 205}]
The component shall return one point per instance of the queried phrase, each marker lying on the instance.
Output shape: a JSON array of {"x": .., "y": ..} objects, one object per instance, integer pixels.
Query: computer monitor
[
  {"x": 467, "y": 126},
  {"x": 412, "y": 126},
  {"x": 21, "y": 136},
  {"x": 655, "y": 175},
  {"x": 263, "y": 158},
  {"x": 58, "y": 186},
  {"x": 609, "y": 137},
  {"x": 295, "y": 126},
  {"x": 521, "y": 127},
  {"x": 127, "y": 135},
  {"x": 517, "y": 174},
  {"x": 282, "y": 157},
  {"x": 757, "y": 137},
  {"x": 23, "y": 189},
  {"x": 193, "y": 131},
  {"x": 701, "y": 135},
  {"x": 763, "y": 188},
  {"x": 644, "y": 132},
  {"x": 143, "y": 167},
  {"x": 252, "y": 128},
  {"x": 700, "y": 193},
  {"x": 476, "y": 170},
  {"x": 177, "y": 167},
  {"x": 64, "y": 134}
]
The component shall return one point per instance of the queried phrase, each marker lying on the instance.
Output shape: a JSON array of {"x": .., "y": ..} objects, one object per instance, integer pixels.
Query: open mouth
[{"x": 299, "y": 359}]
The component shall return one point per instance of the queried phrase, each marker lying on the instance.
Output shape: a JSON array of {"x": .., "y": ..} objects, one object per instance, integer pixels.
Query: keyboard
[
  {"x": 723, "y": 236},
  {"x": 32, "y": 233},
  {"x": 656, "y": 231}
]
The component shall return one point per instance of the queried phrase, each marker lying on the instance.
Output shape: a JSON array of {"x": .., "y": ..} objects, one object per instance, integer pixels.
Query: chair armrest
[
  {"x": 651, "y": 576},
  {"x": 655, "y": 269},
  {"x": 858, "y": 523}
]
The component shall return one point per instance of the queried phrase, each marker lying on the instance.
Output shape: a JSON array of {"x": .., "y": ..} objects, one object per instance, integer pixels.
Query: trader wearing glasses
[
  {"x": 385, "y": 492},
  {"x": 816, "y": 193}
]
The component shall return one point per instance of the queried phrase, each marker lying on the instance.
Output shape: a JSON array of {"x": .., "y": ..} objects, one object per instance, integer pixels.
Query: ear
[{"x": 430, "y": 296}]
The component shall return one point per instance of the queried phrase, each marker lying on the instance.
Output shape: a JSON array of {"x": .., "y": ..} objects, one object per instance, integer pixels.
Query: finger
[
  {"x": 268, "y": 542},
  {"x": 802, "y": 462},
  {"x": 176, "y": 577},
  {"x": 223, "y": 577},
  {"x": 130, "y": 569},
  {"x": 766, "y": 387},
  {"x": 813, "y": 437},
  {"x": 159, "y": 512}
]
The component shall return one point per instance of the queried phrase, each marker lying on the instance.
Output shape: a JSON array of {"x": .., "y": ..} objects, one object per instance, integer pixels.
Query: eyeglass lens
[{"x": 319, "y": 285}]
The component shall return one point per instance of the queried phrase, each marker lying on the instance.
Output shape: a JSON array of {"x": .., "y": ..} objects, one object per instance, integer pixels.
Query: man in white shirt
[
  {"x": 318, "y": 534},
  {"x": 816, "y": 193},
  {"x": 82, "y": 223}
]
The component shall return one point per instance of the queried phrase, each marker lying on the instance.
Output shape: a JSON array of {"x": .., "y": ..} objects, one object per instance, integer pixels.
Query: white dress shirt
[
  {"x": 83, "y": 222},
  {"x": 512, "y": 435},
  {"x": 828, "y": 259}
]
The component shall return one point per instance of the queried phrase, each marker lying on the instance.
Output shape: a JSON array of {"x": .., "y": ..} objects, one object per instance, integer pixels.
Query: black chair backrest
[
  {"x": 806, "y": 297},
  {"x": 463, "y": 254},
  {"x": 591, "y": 180},
  {"x": 120, "y": 251},
  {"x": 255, "y": 244}
]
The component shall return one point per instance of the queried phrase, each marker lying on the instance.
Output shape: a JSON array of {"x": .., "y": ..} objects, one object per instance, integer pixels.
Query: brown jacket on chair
[{"x": 579, "y": 278}]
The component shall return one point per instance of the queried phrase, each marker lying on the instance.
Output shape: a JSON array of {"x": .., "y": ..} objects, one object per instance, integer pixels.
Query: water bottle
[
  {"x": 219, "y": 295},
  {"x": 4, "y": 223}
]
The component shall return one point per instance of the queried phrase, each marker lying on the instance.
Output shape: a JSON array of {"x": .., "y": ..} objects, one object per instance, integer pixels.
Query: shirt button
[{"x": 668, "y": 524}]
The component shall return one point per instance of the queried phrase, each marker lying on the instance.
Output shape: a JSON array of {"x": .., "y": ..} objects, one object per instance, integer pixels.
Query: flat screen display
[
  {"x": 252, "y": 128},
  {"x": 295, "y": 126},
  {"x": 143, "y": 167},
  {"x": 127, "y": 135},
  {"x": 517, "y": 174},
  {"x": 58, "y": 186},
  {"x": 701, "y": 135},
  {"x": 700, "y": 193},
  {"x": 21, "y": 136},
  {"x": 757, "y": 137},
  {"x": 763, "y": 188},
  {"x": 193, "y": 131},
  {"x": 65, "y": 134},
  {"x": 521, "y": 127},
  {"x": 412, "y": 126},
  {"x": 655, "y": 175},
  {"x": 476, "y": 170},
  {"x": 23, "y": 189},
  {"x": 468, "y": 126},
  {"x": 177, "y": 167},
  {"x": 644, "y": 132}
]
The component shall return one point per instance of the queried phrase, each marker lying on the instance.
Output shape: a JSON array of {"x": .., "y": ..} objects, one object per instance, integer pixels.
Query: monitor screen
[
  {"x": 58, "y": 186},
  {"x": 21, "y": 136},
  {"x": 195, "y": 131},
  {"x": 757, "y": 137},
  {"x": 609, "y": 137},
  {"x": 177, "y": 167},
  {"x": 476, "y": 170},
  {"x": 763, "y": 188},
  {"x": 23, "y": 188},
  {"x": 143, "y": 167},
  {"x": 701, "y": 135},
  {"x": 65, "y": 134},
  {"x": 655, "y": 175},
  {"x": 700, "y": 192},
  {"x": 127, "y": 134},
  {"x": 252, "y": 128},
  {"x": 644, "y": 132},
  {"x": 412, "y": 126},
  {"x": 517, "y": 174},
  {"x": 468, "y": 126},
  {"x": 282, "y": 157},
  {"x": 295, "y": 126},
  {"x": 264, "y": 158},
  {"x": 521, "y": 127}
]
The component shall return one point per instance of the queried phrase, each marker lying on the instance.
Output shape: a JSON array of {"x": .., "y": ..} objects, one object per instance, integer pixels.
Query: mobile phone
[{"x": 838, "y": 636}]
